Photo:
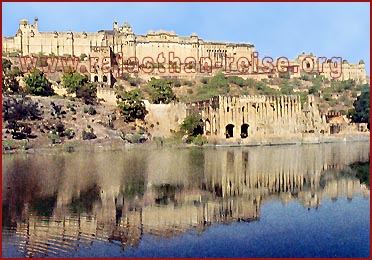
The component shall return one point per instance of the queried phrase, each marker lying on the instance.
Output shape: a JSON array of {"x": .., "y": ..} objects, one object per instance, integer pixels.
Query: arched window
[
  {"x": 244, "y": 131},
  {"x": 229, "y": 131}
]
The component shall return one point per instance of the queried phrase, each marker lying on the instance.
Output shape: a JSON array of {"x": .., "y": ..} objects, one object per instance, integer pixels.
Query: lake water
[{"x": 274, "y": 201}]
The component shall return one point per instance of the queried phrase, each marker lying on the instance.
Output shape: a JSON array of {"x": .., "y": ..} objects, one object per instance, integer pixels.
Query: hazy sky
[{"x": 276, "y": 29}]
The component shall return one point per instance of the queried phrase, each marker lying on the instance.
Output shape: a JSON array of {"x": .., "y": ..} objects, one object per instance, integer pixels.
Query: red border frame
[{"x": 171, "y": 1}]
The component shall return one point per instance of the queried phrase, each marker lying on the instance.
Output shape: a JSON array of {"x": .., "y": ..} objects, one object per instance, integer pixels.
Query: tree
[
  {"x": 192, "y": 125},
  {"x": 79, "y": 84},
  {"x": 16, "y": 109},
  {"x": 37, "y": 84},
  {"x": 74, "y": 81},
  {"x": 160, "y": 91},
  {"x": 9, "y": 80},
  {"x": 10, "y": 83},
  {"x": 360, "y": 113},
  {"x": 131, "y": 105},
  {"x": 19, "y": 130},
  {"x": 20, "y": 109},
  {"x": 6, "y": 64},
  {"x": 88, "y": 93}
]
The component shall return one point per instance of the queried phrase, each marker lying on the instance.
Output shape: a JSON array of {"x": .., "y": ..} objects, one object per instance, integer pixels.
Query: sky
[{"x": 276, "y": 29}]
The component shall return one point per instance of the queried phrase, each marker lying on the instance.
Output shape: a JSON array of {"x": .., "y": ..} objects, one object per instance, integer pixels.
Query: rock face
[{"x": 240, "y": 117}]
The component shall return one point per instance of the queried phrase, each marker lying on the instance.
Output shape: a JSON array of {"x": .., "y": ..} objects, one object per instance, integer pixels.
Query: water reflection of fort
[{"x": 165, "y": 192}]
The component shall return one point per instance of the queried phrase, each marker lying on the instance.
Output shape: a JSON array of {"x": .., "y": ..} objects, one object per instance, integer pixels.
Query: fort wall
[
  {"x": 164, "y": 119},
  {"x": 239, "y": 117}
]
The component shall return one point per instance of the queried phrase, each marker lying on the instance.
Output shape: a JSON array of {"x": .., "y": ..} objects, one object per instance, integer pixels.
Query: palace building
[{"x": 169, "y": 48}]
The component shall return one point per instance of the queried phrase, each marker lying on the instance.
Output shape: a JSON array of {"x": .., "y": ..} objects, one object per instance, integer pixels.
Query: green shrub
[
  {"x": 160, "y": 91},
  {"x": 125, "y": 76},
  {"x": 88, "y": 93},
  {"x": 136, "y": 138},
  {"x": 120, "y": 87},
  {"x": 134, "y": 81},
  {"x": 88, "y": 135},
  {"x": 14, "y": 54},
  {"x": 131, "y": 105},
  {"x": 73, "y": 81},
  {"x": 327, "y": 96},
  {"x": 305, "y": 77},
  {"x": 188, "y": 83},
  {"x": 198, "y": 140},
  {"x": 37, "y": 84},
  {"x": 54, "y": 138},
  {"x": 176, "y": 83},
  {"x": 69, "y": 133},
  {"x": 236, "y": 80},
  {"x": 91, "y": 111},
  {"x": 8, "y": 145},
  {"x": 192, "y": 125},
  {"x": 204, "y": 80},
  {"x": 83, "y": 56}
]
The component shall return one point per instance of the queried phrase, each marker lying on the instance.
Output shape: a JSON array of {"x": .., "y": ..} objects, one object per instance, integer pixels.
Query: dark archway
[
  {"x": 229, "y": 131},
  {"x": 244, "y": 131},
  {"x": 198, "y": 130},
  {"x": 104, "y": 79},
  {"x": 95, "y": 78}
]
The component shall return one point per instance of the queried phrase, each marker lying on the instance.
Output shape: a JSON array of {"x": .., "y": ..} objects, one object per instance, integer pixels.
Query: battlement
[{"x": 259, "y": 99}]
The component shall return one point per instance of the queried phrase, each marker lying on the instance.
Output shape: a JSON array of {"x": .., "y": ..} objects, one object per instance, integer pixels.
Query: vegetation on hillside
[
  {"x": 131, "y": 105},
  {"x": 360, "y": 112},
  {"x": 15, "y": 111},
  {"x": 79, "y": 84},
  {"x": 160, "y": 91},
  {"x": 20, "y": 113},
  {"x": 73, "y": 81},
  {"x": 87, "y": 93},
  {"x": 192, "y": 126},
  {"x": 10, "y": 83},
  {"x": 37, "y": 84}
]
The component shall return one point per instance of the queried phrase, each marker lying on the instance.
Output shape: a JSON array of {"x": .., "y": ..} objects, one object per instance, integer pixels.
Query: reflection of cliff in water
[{"x": 119, "y": 196}]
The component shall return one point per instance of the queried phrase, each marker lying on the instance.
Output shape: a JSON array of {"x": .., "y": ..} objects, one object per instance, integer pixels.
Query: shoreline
[
  {"x": 298, "y": 140},
  {"x": 119, "y": 145}
]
